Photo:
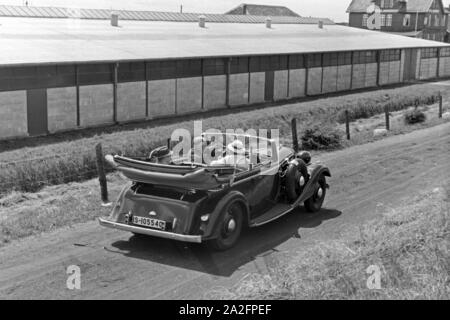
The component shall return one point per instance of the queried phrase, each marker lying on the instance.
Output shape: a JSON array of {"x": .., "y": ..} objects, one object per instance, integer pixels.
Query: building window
[
  {"x": 364, "y": 21},
  {"x": 337, "y": 59},
  {"x": 436, "y": 21},
  {"x": 344, "y": 58},
  {"x": 188, "y": 68},
  {"x": 390, "y": 55},
  {"x": 445, "y": 52},
  {"x": 214, "y": 66},
  {"x": 428, "y": 53},
  {"x": 363, "y": 57},
  {"x": 407, "y": 20},
  {"x": 239, "y": 65},
  {"x": 443, "y": 22},
  {"x": 330, "y": 59},
  {"x": 389, "y": 20},
  {"x": 387, "y": 4},
  {"x": 425, "y": 20},
  {"x": 314, "y": 60},
  {"x": 296, "y": 61},
  {"x": 386, "y": 20}
]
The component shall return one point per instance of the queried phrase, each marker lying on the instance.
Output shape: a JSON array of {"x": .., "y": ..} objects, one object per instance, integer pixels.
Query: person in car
[{"x": 235, "y": 156}]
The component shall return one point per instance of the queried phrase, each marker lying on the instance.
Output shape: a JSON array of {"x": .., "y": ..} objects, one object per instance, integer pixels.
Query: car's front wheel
[
  {"x": 230, "y": 227},
  {"x": 314, "y": 204}
]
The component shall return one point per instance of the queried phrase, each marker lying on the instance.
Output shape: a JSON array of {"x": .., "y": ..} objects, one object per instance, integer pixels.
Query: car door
[{"x": 261, "y": 188}]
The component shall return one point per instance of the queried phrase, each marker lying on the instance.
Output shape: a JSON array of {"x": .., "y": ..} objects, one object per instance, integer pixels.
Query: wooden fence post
[
  {"x": 386, "y": 112},
  {"x": 347, "y": 124},
  {"x": 440, "y": 105},
  {"x": 295, "y": 135},
  {"x": 102, "y": 175}
]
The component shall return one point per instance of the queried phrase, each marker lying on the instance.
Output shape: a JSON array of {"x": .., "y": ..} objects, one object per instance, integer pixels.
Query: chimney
[
  {"x": 320, "y": 24},
  {"x": 268, "y": 23},
  {"x": 201, "y": 21},
  {"x": 115, "y": 19}
]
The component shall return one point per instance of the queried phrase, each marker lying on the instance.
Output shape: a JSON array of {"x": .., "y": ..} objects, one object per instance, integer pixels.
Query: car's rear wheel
[
  {"x": 314, "y": 204},
  {"x": 230, "y": 227}
]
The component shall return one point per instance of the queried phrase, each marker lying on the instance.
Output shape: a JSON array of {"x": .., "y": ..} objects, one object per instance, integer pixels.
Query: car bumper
[{"x": 149, "y": 232}]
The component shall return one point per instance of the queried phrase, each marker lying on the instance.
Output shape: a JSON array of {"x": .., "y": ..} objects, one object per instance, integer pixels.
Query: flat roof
[
  {"x": 105, "y": 14},
  {"x": 40, "y": 40}
]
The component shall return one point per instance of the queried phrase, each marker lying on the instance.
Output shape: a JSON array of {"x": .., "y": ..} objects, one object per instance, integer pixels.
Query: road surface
[{"x": 367, "y": 181}]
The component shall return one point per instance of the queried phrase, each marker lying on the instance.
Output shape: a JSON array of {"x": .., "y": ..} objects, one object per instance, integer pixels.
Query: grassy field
[
  {"x": 29, "y": 169},
  {"x": 27, "y": 214},
  {"x": 410, "y": 246},
  {"x": 362, "y": 129}
]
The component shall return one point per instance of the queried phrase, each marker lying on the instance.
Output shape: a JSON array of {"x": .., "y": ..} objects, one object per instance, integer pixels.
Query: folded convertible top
[{"x": 193, "y": 176}]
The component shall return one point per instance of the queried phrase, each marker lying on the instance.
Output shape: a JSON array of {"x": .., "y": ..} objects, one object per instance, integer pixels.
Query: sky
[{"x": 334, "y": 9}]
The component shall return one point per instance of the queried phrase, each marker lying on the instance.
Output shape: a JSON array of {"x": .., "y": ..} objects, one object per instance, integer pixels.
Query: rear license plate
[{"x": 149, "y": 223}]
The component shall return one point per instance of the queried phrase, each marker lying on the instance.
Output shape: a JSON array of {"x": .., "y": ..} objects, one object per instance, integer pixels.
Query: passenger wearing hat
[
  {"x": 235, "y": 156},
  {"x": 161, "y": 155}
]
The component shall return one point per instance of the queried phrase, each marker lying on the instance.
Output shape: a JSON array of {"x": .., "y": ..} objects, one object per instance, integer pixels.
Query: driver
[{"x": 235, "y": 156}]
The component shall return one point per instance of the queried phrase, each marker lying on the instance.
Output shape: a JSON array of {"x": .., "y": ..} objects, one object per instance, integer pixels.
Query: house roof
[
  {"x": 411, "y": 5},
  {"x": 262, "y": 10},
  {"x": 26, "y": 41},
  {"x": 414, "y": 34},
  {"x": 105, "y": 14}
]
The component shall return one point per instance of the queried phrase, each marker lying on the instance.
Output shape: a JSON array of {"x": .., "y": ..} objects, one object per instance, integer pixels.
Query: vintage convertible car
[{"x": 195, "y": 202}]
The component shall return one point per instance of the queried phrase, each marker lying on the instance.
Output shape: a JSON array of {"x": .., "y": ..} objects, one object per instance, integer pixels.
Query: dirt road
[{"x": 367, "y": 181}]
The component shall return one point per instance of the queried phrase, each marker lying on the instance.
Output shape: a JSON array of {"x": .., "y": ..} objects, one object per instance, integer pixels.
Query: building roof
[
  {"x": 41, "y": 40},
  {"x": 105, "y": 14},
  {"x": 411, "y": 5},
  {"x": 262, "y": 10},
  {"x": 415, "y": 34}
]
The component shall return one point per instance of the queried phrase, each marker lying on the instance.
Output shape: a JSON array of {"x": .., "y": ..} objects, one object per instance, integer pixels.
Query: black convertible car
[{"x": 196, "y": 202}]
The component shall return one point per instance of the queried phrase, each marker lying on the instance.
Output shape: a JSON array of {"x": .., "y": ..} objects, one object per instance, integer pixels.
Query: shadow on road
[{"x": 254, "y": 242}]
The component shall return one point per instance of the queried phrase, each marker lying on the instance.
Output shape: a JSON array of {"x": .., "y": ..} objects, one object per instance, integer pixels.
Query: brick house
[{"x": 427, "y": 19}]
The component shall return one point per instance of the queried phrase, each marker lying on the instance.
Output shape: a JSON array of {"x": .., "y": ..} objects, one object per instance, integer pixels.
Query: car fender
[
  {"x": 212, "y": 229},
  {"x": 316, "y": 172},
  {"x": 115, "y": 212}
]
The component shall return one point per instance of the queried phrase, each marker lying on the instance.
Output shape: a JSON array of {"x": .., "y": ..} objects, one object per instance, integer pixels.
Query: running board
[{"x": 276, "y": 212}]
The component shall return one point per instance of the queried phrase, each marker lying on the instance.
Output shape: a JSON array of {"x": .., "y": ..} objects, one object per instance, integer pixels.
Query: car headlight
[{"x": 205, "y": 217}]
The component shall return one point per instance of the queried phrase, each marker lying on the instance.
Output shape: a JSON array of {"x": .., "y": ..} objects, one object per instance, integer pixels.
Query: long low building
[{"x": 61, "y": 74}]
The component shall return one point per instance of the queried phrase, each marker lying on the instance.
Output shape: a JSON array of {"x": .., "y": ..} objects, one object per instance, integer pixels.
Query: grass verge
[
  {"x": 409, "y": 245},
  {"x": 27, "y": 214}
]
